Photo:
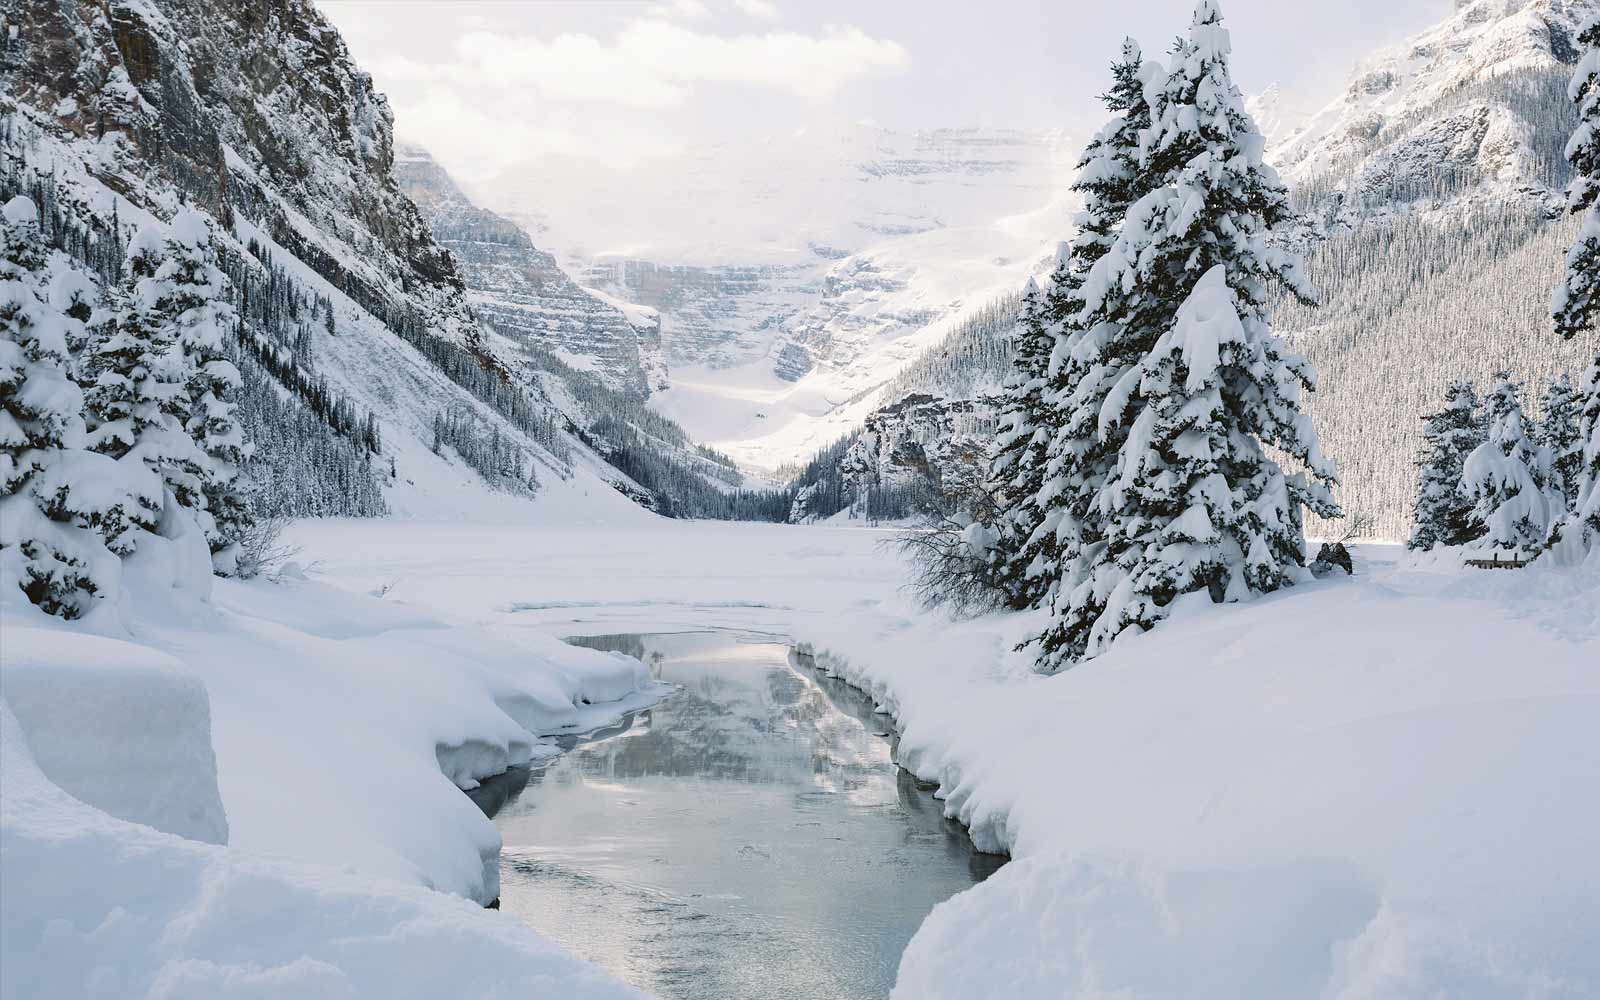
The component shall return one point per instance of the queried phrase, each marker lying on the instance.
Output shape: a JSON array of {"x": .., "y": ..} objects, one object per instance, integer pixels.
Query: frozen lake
[{"x": 747, "y": 838}]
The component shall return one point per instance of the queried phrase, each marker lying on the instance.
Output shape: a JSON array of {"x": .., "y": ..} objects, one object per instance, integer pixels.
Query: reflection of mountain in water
[{"x": 737, "y": 722}]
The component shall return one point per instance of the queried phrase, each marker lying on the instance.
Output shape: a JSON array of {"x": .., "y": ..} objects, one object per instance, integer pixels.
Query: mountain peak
[{"x": 1467, "y": 102}]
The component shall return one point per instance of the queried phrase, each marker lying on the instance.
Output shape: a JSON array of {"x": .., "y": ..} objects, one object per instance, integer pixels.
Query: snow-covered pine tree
[
  {"x": 1558, "y": 434},
  {"x": 1017, "y": 467},
  {"x": 1505, "y": 478},
  {"x": 1195, "y": 386},
  {"x": 159, "y": 384},
  {"x": 1577, "y": 299},
  {"x": 1443, "y": 512},
  {"x": 135, "y": 380},
  {"x": 194, "y": 298},
  {"x": 1577, "y": 535},
  {"x": 1045, "y": 499},
  {"x": 54, "y": 492}
]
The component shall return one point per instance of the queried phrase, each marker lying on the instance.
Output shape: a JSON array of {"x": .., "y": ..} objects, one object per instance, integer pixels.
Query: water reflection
[{"x": 750, "y": 837}]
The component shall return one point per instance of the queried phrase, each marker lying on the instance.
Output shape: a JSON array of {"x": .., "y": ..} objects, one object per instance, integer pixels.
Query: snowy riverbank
[
  {"x": 323, "y": 736},
  {"x": 1382, "y": 786}
]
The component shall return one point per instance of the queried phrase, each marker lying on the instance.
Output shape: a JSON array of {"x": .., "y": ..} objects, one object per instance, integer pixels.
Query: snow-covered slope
[
  {"x": 115, "y": 115},
  {"x": 796, "y": 272},
  {"x": 1432, "y": 188}
]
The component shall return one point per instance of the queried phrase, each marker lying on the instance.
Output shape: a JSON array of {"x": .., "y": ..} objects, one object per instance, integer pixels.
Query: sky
[{"x": 492, "y": 86}]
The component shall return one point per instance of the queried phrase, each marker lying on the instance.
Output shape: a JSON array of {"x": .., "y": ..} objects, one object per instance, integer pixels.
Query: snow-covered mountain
[
  {"x": 371, "y": 382},
  {"x": 1274, "y": 116},
  {"x": 1475, "y": 106},
  {"x": 522, "y": 291},
  {"x": 795, "y": 273}
]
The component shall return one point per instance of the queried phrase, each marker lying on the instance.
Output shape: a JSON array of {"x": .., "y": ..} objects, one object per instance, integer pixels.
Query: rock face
[
  {"x": 116, "y": 112},
  {"x": 250, "y": 109},
  {"x": 523, "y": 293},
  {"x": 920, "y": 443}
]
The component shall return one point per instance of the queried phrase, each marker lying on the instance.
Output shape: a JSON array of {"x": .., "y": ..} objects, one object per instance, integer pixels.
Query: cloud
[
  {"x": 689, "y": 10},
  {"x": 655, "y": 63},
  {"x": 764, "y": 10},
  {"x": 475, "y": 144}
]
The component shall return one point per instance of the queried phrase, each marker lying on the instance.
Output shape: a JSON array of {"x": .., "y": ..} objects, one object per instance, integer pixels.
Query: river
[{"x": 747, "y": 838}]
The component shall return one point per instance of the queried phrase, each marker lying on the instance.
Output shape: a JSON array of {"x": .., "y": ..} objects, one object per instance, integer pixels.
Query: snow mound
[
  {"x": 119, "y": 726},
  {"x": 100, "y": 908}
]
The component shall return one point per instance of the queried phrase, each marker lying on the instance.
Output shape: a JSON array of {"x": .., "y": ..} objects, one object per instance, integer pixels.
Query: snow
[
  {"x": 97, "y": 907},
  {"x": 324, "y": 736},
  {"x": 1376, "y": 786},
  {"x": 20, "y": 211},
  {"x": 1208, "y": 318},
  {"x": 118, "y": 726}
]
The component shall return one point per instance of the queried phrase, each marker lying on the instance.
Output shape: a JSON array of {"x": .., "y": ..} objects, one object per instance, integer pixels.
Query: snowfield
[{"x": 1384, "y": 786}]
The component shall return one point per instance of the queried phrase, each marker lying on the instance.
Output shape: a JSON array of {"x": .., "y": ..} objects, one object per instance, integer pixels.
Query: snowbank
[
  {"x": 340, "y": 729},
  {"x": 345, "y": 725},
  {"x": 118, "y": 726},
  {"x": 101, "y": 908},
  {"x": 1370, "y": 787}
]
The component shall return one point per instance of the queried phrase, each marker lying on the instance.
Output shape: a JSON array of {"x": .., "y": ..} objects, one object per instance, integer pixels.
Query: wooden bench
[{"x": 1510, "y": 562}]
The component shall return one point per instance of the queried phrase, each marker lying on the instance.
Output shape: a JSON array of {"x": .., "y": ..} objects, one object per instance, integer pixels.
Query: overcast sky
[{"x": 492, "y": 85}]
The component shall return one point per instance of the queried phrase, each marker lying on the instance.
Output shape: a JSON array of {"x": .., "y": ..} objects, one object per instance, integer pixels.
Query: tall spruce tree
[
  {"x": 1017, "y": 466},
  {"x": 1506, "y": 477},
  {"x": 1046, "y": 504},
  {"x": 1559, "y": 411},
  {"x": 1190, "y": 386},
  {"x": 1577, "y": 535},
  {"x": 135, "y": 381},
  {"x": 194, "y": 298},
  {"x": 160, "y": 386},
  {"x": 1443, "y": 513}
]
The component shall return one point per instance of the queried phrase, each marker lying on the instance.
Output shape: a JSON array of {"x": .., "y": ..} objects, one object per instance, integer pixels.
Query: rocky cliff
[
  {"x": 523, "y": 292},
  {"x": 251, "y": 108}
]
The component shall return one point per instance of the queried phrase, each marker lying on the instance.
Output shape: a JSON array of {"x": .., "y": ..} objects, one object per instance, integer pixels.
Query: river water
[{"x": 747, "y": 838}]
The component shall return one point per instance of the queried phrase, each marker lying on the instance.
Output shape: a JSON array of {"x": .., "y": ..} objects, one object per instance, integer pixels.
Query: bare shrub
[
  {"x": 949, "y": 550},
  {"x": 1357, "y": 525},
  {"x": 262, "y": 550}
]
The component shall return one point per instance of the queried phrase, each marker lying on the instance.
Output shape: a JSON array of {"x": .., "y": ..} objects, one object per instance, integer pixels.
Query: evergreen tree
[
  {"x": 160, "y": 383},
  {"x": 1017, "y": 468},
  {"x": 195, "y": 301},
  {"x": 136, "y": 383},
  {"x": 1578, "y": 297},
  {"x": 1443, "y": 512},
  {"x": 1505, "y": 478},
  {"x": 54, "y": 491},
  {"x": 1187, "y": 386},
  {"x": 1558, "y": 435},
  {"x": 1044, "y": 501}
]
